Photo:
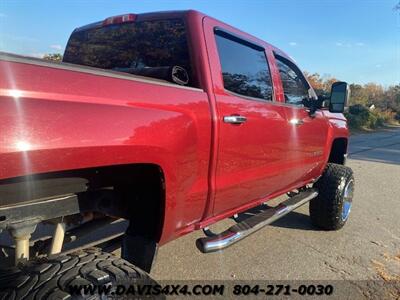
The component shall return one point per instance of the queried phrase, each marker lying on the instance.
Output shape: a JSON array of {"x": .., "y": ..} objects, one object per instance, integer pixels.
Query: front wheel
[{"x": 330, "y": 210}]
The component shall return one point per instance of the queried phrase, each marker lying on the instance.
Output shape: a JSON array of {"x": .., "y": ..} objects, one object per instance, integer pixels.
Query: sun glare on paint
[
  {"x": 23, "y": 146},
  {"x": 15, "y": 93}
]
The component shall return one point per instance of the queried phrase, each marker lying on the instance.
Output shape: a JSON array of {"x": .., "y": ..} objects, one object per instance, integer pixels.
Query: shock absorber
[{"x": 21, "y": 234}]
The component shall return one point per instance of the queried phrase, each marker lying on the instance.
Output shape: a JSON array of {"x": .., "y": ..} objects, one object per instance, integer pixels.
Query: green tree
[
  {"x": 321, "y": 85},
  {"x": 53, "y": 57},
  {"x": 358, "y": 94}
]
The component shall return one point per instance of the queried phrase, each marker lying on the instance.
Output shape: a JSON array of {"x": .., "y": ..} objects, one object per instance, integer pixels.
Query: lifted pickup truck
[{"x": 171, "y": 121}]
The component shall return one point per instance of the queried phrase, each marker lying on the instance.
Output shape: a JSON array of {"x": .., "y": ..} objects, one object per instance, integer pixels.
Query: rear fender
[{"x": 62, "y": 120}]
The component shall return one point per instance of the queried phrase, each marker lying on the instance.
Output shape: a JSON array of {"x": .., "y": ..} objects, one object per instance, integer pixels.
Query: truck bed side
[{"x": 57, "y": 117}]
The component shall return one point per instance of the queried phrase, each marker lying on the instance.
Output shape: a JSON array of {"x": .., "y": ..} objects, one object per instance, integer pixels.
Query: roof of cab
[{"x": 148, "y": 16}]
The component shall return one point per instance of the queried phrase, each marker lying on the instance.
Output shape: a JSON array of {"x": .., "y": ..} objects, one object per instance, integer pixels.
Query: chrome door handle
[
  {"x": 235, "y": 119},
  {"x": 296, "y": 121}
]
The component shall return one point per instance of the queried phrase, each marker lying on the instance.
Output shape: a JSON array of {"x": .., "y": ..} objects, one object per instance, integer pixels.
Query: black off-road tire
[
  {"x": 327, "y": 208},
  {"x": 52, "y": 278}
]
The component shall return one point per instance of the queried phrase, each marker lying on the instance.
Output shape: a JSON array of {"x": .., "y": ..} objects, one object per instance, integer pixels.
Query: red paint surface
[{"x": 63, "y": 120}]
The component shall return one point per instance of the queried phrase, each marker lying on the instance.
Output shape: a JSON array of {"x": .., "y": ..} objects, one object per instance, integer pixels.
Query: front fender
[{"x": 338, "y": 129}]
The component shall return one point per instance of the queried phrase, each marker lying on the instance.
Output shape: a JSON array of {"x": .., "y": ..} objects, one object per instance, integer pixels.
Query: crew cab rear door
[
  {"x": 307, "y": 134},
  {"x": 251, "y": 127}
]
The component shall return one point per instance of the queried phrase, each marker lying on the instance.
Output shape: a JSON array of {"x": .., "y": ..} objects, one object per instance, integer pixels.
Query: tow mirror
[{"x": 340, "y": 92}]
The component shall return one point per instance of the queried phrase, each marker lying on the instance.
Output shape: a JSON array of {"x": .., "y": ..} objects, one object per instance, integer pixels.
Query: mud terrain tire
[
  {"x": 52, "y": 277},
  {"x": 330, "y": 209}
]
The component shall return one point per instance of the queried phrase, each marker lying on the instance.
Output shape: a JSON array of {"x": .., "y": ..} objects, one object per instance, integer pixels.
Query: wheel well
[
  {"x": 135, "y": 192},
  {"x": 338, "y": 151}
]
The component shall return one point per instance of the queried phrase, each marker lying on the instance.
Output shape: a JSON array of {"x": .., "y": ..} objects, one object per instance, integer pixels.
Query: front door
[{"x": 308, "y": 134}]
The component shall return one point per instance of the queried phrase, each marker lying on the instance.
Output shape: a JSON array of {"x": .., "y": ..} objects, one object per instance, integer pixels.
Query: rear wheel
[
  {"x": 330, "y": 210},
  {"x": 56, "y": 276}
]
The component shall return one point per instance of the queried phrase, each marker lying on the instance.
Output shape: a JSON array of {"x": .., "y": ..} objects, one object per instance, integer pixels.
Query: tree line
[{"x": 371, "y": 105}]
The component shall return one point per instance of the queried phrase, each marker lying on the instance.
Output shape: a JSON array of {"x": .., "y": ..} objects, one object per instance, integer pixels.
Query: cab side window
[
  {"x": 295, "y": 86},
  {"x": 244, "y": 67}
]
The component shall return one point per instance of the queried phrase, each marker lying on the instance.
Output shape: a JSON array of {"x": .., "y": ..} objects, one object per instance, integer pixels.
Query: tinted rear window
[{"x": 157, "y": 43}]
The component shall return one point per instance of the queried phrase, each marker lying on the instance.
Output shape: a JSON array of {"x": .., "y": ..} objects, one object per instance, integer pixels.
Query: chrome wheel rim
[{"x": 347, "y": 199}]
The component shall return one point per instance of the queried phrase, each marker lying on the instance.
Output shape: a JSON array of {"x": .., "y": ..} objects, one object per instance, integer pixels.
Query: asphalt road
[{"x": 367, "y": 248}]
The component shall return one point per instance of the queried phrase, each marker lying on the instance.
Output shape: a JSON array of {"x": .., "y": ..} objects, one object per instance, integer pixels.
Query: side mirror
[{"x": 340, "y": 92}]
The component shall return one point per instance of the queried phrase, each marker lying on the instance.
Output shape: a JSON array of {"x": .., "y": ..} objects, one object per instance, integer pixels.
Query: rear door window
[{"x": 244, "y": 67}]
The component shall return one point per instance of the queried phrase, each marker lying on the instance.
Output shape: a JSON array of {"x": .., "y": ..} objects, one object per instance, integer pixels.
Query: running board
[{"x": 242, "y": 229}]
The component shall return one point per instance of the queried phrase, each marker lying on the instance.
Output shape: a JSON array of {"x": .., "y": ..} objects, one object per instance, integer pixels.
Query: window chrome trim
[
  {"x": 249, "y": 97},
  {"x": 291, "y": 105}
]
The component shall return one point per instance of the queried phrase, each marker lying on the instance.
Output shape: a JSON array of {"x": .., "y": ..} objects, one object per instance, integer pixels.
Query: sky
[{"x": 357, "y": 41}]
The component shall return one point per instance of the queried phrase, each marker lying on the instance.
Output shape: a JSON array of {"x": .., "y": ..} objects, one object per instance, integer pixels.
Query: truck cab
[{"x": 265, "y": 141}]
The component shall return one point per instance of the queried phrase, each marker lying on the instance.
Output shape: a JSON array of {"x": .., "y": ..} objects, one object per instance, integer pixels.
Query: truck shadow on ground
[{"x": 293, "y": 220}]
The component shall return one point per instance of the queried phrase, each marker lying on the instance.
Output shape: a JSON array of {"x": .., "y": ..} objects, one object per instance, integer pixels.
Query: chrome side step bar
[{"x": 252, "y": 224}]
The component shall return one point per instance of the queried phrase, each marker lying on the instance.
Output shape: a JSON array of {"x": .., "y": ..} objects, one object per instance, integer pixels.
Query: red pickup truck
[{"x": 171, "y": 121}]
